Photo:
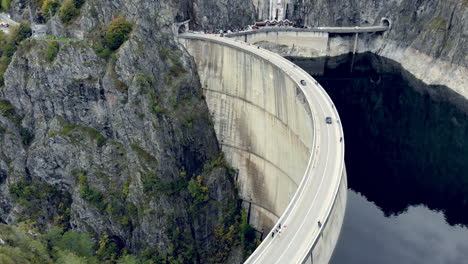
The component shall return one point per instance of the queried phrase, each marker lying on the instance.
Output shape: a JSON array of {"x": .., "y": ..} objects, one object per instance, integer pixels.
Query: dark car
[
  {"x": 328, "y": 120},
  {"x": 303, "y": 82}
]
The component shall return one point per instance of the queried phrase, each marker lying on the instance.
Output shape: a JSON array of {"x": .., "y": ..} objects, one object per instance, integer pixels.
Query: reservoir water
[{"x": 407, "y": 162}]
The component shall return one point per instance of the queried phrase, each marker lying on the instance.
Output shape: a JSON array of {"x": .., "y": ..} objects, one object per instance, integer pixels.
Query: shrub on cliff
[
  {"x": 52, "y": 51},
  {"x": 6, "y": 109},
  {"x": 198, "y": 192},
  {"x": 117, "y": 33},
  {"x": 68, "y": 11},
  {"x": 8, "y": 45},
  {"x": 49, "y": 8}
]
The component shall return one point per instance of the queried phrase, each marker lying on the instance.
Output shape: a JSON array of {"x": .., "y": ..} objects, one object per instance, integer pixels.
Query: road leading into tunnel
[{"x": 314, "y": 199}]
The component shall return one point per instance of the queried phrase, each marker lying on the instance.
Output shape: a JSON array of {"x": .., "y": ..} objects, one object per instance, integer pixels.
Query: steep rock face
[
  {"x": 204, "y": 14},
  {"x": 429, "y": 38},
  {"x": 437, "y": 28},
  {"x": 263, "y": 8},
  {"x": 115, "y": 146},
  {"x": 217, "y": 14}
]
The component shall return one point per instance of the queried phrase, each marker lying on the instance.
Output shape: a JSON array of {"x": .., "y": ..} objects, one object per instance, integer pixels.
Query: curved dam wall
[
  {"x": 266, "y": 126},
  {"x": 260, "y": 118}
]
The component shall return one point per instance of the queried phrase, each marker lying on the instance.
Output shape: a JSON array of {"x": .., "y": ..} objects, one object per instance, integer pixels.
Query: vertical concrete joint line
[
  {"x": 355, "y": 43},
  {"x": 248, "y": 213},
  {"x": 328, "y": 46}
]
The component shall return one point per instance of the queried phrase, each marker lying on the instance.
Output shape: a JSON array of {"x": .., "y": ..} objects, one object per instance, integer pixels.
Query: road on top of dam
[
  {"x": 318, "y": 190},
  {"x": 333, "y": 30}
]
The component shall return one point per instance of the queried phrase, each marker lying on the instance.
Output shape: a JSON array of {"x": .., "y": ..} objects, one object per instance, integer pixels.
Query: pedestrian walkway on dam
[{"x": 323, "y": 186}]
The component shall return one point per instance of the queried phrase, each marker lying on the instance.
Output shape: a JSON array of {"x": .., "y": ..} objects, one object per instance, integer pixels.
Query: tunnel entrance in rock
[
  {"x": 385, "y": 22},
  {"x": 182, "y": 29}
]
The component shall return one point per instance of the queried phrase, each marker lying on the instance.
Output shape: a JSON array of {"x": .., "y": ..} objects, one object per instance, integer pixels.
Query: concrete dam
[
  {"x": 280, "y": 129},
  {"x": 313, "y": 42}
]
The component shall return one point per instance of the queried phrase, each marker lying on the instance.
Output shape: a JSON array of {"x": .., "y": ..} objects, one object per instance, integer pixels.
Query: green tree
[
  {"x": 108, "y": 249},
  {"x": 21, "y": 247},
  {"x": 80, "y": 244},
  {"x": 247, "y": 234},
  {"x": 20, "y": 32},
  {"x": 118, "y": 32},
  {"x": 54, "y": 235},
  {"x": 67, "y": 257},
  {"x": 8, "y": 49},
  {"x": 5, "y": 5},
  {"x": 68, "y": 11},
  {"x": 128, "y": 259}
]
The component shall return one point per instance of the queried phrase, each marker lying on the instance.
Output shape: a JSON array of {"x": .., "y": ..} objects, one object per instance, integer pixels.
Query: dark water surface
[{"x": 407, "y": 162}]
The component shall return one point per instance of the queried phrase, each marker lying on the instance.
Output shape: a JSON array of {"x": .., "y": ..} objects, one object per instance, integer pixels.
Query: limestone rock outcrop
[{"x": 118, "y": 143}]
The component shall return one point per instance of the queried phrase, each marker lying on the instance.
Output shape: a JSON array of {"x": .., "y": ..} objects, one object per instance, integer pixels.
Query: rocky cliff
[
  {"x": 217, "y": 14},
  {"x": 203, "y": 14},
  {"x": 117, "y": 143},
  {"x": 429, "y": 38}
]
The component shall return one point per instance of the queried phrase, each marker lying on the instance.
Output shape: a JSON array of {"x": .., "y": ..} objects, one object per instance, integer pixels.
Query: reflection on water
[
  {"x": 417, "y": 236},
  {"x": 407, "y": 152}
]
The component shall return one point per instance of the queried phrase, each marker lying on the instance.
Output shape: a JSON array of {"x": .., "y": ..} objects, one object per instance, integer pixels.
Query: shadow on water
[
  {"x": 406, "y": 142},
  {"x": 406, "y": 160}
]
